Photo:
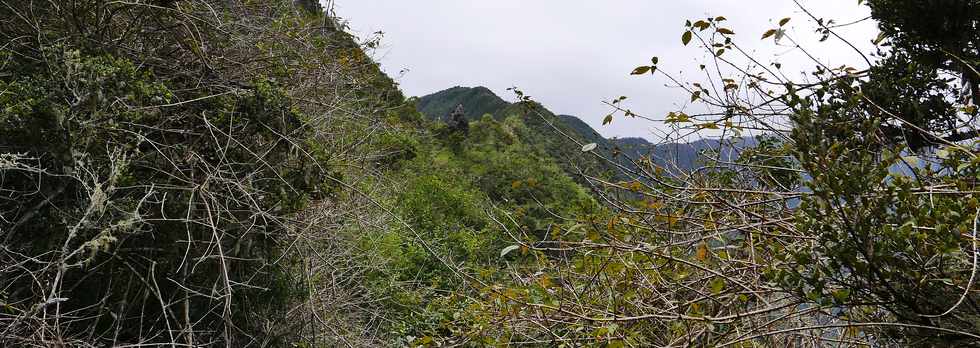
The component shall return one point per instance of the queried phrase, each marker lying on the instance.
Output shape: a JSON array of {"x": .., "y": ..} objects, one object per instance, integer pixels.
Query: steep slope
[{"x": 159, "y": 179}]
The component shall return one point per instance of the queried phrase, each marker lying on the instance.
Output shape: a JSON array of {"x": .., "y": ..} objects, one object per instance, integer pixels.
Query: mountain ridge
[{"x": 478, "y": 101}]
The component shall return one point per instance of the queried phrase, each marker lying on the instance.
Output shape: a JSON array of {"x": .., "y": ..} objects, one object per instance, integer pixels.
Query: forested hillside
[{"x": 243, "y": 174}]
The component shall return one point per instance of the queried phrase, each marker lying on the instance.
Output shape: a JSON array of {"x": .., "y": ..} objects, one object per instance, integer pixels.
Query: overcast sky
[{"x": 572, "y": 55}]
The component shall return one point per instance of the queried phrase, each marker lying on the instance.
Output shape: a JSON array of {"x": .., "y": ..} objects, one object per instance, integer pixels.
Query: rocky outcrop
[{"x": 457, "y": 121}]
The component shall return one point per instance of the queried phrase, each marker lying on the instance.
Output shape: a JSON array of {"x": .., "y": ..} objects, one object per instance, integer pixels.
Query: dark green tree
[{"x": 923, "y": 86}]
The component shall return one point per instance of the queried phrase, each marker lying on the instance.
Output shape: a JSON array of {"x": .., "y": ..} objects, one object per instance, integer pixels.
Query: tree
[
  {"x": 311, "y": 6},
  {"x": 854, "y": 220},
  {"x": 926, "y": 85}
]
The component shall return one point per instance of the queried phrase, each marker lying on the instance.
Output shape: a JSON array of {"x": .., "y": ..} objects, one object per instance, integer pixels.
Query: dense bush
[{"x": 155, "y": 160}]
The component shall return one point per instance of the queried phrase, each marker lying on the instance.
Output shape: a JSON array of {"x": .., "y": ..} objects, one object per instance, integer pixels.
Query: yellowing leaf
[
  {"x": 702, "y": 252},
  {"x": 654, "y": 204},
  {"x": 592, "y": 235},
  {"x": 717, "y": 285},
  {"x": 545, "y": 281},
  {"x": 635, "y": 186}
]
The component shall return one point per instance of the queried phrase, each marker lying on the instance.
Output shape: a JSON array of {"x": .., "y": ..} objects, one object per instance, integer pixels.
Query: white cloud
[{"x": 571, "y": 55}]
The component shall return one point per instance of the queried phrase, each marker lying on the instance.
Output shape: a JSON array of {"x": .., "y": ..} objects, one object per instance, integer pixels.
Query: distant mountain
[
  {"x": 683, "y": 156},
  {"x": 479, "y": 101}
]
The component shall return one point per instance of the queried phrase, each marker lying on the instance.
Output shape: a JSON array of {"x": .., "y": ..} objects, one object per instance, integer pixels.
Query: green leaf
[
  {"x": 686, "y": 38},
  {"x": 717, "y": 285},
  {"x": 695, "y": 96},
  {"x": 640, "y": 70},
  {"x": 508, "y": 249},
  {"x": 655, "y": 60},
  {"x": 783, "y": 21},
  {"x": 720, "y": 52},
  {"x": 607, "y": 120},
  {"x": 726, "y": 31}
]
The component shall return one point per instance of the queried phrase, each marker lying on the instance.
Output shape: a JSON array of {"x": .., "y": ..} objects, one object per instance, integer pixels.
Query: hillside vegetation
[
  {"x": 560, "y": 135},
  {"x": 242, "y": 174}
]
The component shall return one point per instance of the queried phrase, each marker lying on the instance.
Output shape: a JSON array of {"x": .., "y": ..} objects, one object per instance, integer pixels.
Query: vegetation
[
  {"x": 850, "y": 223},
  {"x": 155, "y": 167},
  {"x": 240, "y": 173}
]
